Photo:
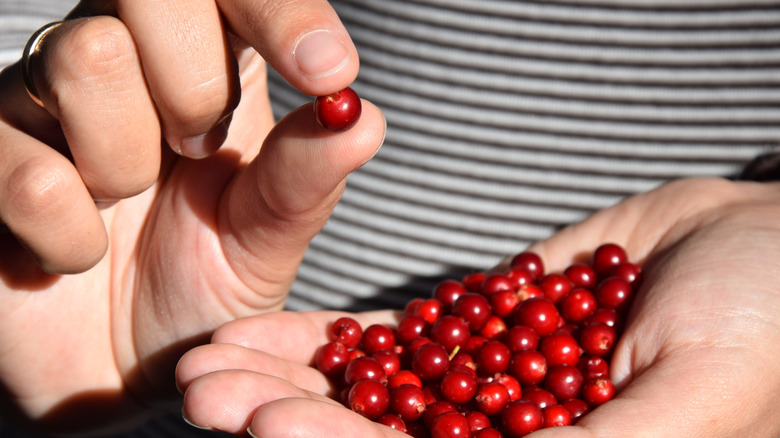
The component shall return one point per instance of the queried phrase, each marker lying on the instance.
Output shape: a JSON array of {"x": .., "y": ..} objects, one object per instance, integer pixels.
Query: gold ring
[{"x": 32, "y": 47}]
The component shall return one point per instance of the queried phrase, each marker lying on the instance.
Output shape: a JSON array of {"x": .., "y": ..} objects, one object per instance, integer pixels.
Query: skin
[
  {"x": 697, "y": 359},
  {"x": 134, "y": 251}
]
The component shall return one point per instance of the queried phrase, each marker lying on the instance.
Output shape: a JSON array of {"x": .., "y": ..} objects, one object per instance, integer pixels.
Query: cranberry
[
  {"x": 458, "y": 386},
  {"x": 529, "y": 291},
  {"x": 369, "y": 398},
  {"x": 429, "y": 309},
  {"x": 556, "y": 415},
  {"x": 496, "y": 283},
  {"x": 597, "y": 339},
  {"x": 338, "y": 111},
  {"x": 332, "y": 359},
  {"x": 577, "y": 408},
  {"x": 474, "y": 309},
  {"x": 520, "y": 277},
  {"x": 450, "y": 331},
  {"x": 447, "y": 291},
  {"x": 410, "y": 328},
  {"x": 613, "y": 293},
  {"x": 377, "y": 337},
  {"x": 465, "y": 361},
  {"x": 564, "y": 381},
  {"x": 504, "y": 303},
  {"x": 609, "y": 317},
  {"x": 529, "y": 367},
  {"x": 628, "y": 271},
  {"x": 539, "y": 314},
  {"x": 578, "y": 305},
  {"x": 607, "y": 257},
  {"x": 411, "y": 306},
  {"x": 477, "y": 421},
  {"x": 408, "y": 401},
  {"x": 494, "y": 329},
  {"x": 347, "y": 331},
  {"x": 529, "y": 261},
  {"x": 520, "y": 418},
  {"x": 473, "y": 282},
  {"x": 555, "y": 286},
  {"x": 390, "y": 361},
  {"x": 540, "y": 396},
  {"x": 436, "y": 409},
  {"x": 450, "y": 425},
  {"x": 491, "y": 397},
  {"x": 489, "y": 432},
  {"x": 593, "y": 366},
  {"x": 560, "y": 348},
  {"x": 363, "y": 368},
  {"x": 474, "y": 344},
  {"x": 430, "y": 361},
  {"x": 598, "y": 391},
  {"x": 392, "y": 421},
  {"x": 581, "y": 275},
  {"x": 520, "y": 338},
  {"x": 404, "y": 377},
  {"x": 511, "y": 384},
  {"x": 493, "y": 358}
]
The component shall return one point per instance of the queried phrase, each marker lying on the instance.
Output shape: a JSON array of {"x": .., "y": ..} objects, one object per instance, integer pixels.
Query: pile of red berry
[{"x": 494, "y": 354}]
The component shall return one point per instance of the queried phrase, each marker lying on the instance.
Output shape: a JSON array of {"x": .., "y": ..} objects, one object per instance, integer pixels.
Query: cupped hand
[
  {"x": 697, "y": 358},
  {"x": 162, "y": 247}
]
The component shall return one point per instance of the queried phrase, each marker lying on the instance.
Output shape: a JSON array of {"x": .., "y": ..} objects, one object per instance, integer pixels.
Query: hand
[
  {"x": 191, "y": 243},
  {"x": 698, "y": 356}
]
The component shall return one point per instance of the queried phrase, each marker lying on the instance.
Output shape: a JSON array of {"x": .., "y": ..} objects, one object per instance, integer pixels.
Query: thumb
[{"x": 277, "y": 203}]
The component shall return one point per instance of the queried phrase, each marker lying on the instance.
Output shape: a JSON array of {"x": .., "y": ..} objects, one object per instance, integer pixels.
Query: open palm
[{"x": 698, "y": 357}]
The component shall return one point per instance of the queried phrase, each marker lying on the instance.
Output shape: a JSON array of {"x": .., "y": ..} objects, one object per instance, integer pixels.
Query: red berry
[
  {"x": 511, "y": 384},
  {"x": 338, "y": 111},
  {"x": 560, "y": 349},
  {"x": 364, "y": 368},
  {"x": 555, "y": 286},
  {"x": 408, "y": 401},
  {"x": 493, "y": 358},
  {"x": 491, "y": 397},
  {"x": 474, "y": 309},
  {"x": 404, "y": 377},
  {"x": 504, "y": 303},
  {"x": 540, "y": 396},
  {"x": 390, "y": 361},
  {"x": 450, "y": 331},
  {"x": 410, "y": 328},
  {"x": 436, "y": 409},
  {"x": 430, "y": 310},
  {"x": 489, "y": 432},
  {"x": 597, "y": 339},
  {"x": 473, "y": 282},
  {"x": 628, "y": 271},
  {"x": 528, "y": 367},
  {"x": 593, "y": 366},
  {"x": 539, "y": 314},
  {"x": 447, "y": 291},
  {"x": 521, "y": 338},
  {"x": 494, "y": 329},
  {"x": 347, "y": 331},
  {"x": 564, "y": 381},
  {"x": 477, "y": 421},
  {"x": 520, "y": 277},
  {"x": 332, "y": 359},
  {"x": 578, "y": 305},
  {"x": 458, "y": 386},
  {"x": 520, "y": 418},
  {"x": 613, "y": 293},
  {"x": 369, "y": 398},
  {"x": 556, "y": 416},
  {"x": 451, "y": 425},
  {"x": 607, "y": 257},
  {"x": 392, "y": 421},
  {"x": 577, "y": 408},
  {"x": 529, "y": 261},
  {"x": 496, "y": 283},
  {"x": 430, "y": 361},
  {"x": 377, "y": 337},
  {"x": 598, "y": 391},
  {"x": 581, "y": 275}
]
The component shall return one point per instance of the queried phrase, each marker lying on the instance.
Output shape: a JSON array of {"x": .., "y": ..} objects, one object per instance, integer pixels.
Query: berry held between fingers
[
  {"x": 497, "y": 355},
  {"x": 338, "y": 111}
]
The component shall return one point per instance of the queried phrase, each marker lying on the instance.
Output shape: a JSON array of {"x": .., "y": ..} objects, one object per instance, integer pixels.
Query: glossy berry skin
[
  {"x": 496, "y": 283},
  {"x": 581, "y": 275},
  {"x": 451, "y": 425},
  {"x": 598, "y": 391},
  {"x": 521, "y": 417},
  {"x": 597, "y": 339},
  {"x": 564, "y": 381},
  {"x": 347, "y": 331},
  {"x": 613, "y": 293},
  {"x": 511, "y": 384},
  {"x": 365, "y": 368},
  {"x": 430, "y": 361},
  {"x": 556, "y": 416},
  {"x": 577, "y": 407},
  {"x": 530, "y": 262},
  {"x": 528, "y": 367},
  {"x": 450, "y": 331},
  {"x": 332, "y": 359},
  {"x": 392, "y": 421},
  {"x": 408, "y": 401},
  {"x": 491, "y": 398},
  {"x": 560, "y": 348},
  {"x": 555, "y": 286},
  {"x": 540, "y": 396},
  {"x": 430, "y": 309},
  {"x": 390, "y": 361},
  {"x": 474, "y": 309},
  {"x": 578, "y": 305},
  {"x": 521, "y": 338},
  {"x": 447, "y": 291},
  {"x": 493, "y": 358},
  {"x": 607, "y": 257},
  {"x": 436, "y": 409},
  {"x": 593, "y": 367},
  {"x": 458, "y": 386},
  {"x": 338, "y": 111},
  {"x": 377, "y": 337},
  {"x": 477, "y": 421},
  {"x": 404, "y": 377},
  {"x": 410, "y": 328},
  {"x": 488, "y": 432},
  {"x": 504, "y": 303},
  {"x": 539, "y": 314},
  {"x": 369, "y": 398}
]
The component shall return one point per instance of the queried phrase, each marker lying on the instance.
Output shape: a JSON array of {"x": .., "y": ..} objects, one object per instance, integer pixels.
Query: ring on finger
[{"x": 33, "y": 47}]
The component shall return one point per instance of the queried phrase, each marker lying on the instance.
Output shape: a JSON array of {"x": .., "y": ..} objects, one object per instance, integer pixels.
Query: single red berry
[
  {"x": 613, "y": 293},
  {"x": 332, "y": 359},
  {"x": 529, "y": 367},
  {"x": 540, "y": 396},
  {"x": 356, "y": 353},
  {"x": 464, "y": 361},
  {"x": 447, "y": 291},
  {"x": 593, "y": 367},
  {"x": 511, "y": 384},
  {"x": 473, "y": 281},
  {"x": 628, "y": 271},
  {"x": 491, "y": 398},
  {"x": 451, "y": 425},
  {"x": 495, "y": 283},
  {"x": 578, "y": 305},
  {"x": 598, "y": 391},
  {"x": 450, "y": 331},
  {"x": 521, "y": 417},
  {"x": 504, "y": 303},
  {"x": 369, "y": 398},
  {"x": 556, "y": 416},
  {"x": 338, "y": 111},
  {"x": 608, "y": 316},
  {"x": 474, "y": 309},
  {"x": 597, "y": 339},
  {"x": 493, "y": 358},
  {"x": 489, "y": 432},
  {"x": 390, "y": 361},
  {"x": 364, "y": 368},
  {"x": 435, "y": 409},
  {"x": 564, "y": 381},
  {"x": 430, "y": 361},
  {"x": 555, "y": 286},
  {"x": 521, "y": 338},
  {"x": 458, "y": 386},
  {"x": 530, "y": 262},
  {"x": 377, "y": 337},
  {"x": 474, "y": 344},
  {"x": 477, "y": 421},
  {"x": 520, "y": 277},
  {"x": 347, "y": 331},
  {"x": 408, "y": 401},
  {"x": 404, "y": 377},
  {"x": 577, "y": 407},
  {"x": 410, "y": 328},
  {"x": 581, "y": 275},
  {"x": 607, "y": 257},
  {"x": 529, "y": 291},
  {"x": 539, "y": 314},
  {"x": 430, "y": 310},
  {"x": 495, "y": 328},
  {"x": 411, "y": 306},
  {"x": 560, "y": 348},
  {"x": 392, "y": 421}
]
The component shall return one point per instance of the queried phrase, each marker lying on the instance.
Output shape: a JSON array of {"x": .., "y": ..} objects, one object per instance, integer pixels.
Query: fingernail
[
  {"x": 319, "y": 54},
  {"x": 201, "y": 146},
  {"x": 187, "y": 420},
  {"x": 250, "y": 433}
]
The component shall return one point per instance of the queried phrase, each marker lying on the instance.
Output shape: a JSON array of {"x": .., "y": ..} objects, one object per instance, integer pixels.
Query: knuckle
[
  {"x": 97, "y": 48},
  {"x": 37, "y": 189}
]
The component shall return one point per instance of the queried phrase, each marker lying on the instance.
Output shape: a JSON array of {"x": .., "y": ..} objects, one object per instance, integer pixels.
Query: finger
[
  {"x": 315, "y": 419},
  {"x": 189, "y": 67},
  {"x": 46, "y": 206},
  {"x": 303, "y": 332},
  {"x": 277, "y": 203},
  {"x": 89, "y": 77},
  {"x": 207, "y": 359},
  {"x": 304, "y": 41},
  {"x": 244, "y": 391}
]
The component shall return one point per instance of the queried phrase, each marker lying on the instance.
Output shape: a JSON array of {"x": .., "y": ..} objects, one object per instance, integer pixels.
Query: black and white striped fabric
[{"x": 509, "y": 119}]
